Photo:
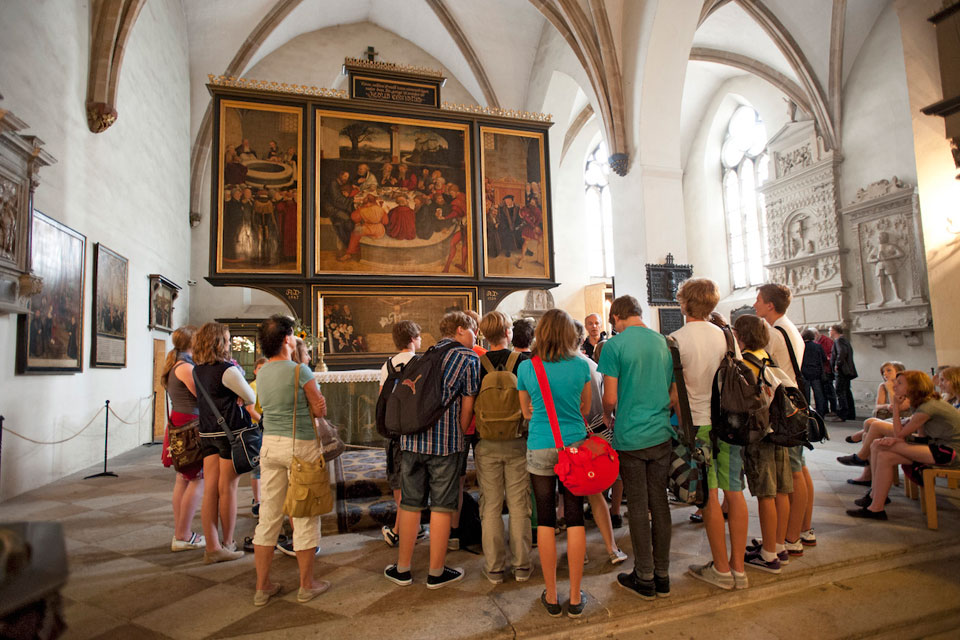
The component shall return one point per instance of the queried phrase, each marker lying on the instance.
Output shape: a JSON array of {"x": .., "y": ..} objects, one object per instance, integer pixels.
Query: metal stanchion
[{"x": 106, "y": 433}]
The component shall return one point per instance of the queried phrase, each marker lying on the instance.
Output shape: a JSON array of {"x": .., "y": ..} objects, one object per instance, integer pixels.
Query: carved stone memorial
[{"x": 890, "y": 272}]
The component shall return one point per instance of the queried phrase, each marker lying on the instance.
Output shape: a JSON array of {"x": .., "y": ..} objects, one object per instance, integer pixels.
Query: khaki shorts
[{"x": 768, "y": 469}]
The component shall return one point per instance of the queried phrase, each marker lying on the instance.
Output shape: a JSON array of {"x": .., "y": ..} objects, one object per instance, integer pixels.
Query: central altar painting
[{"x": 393, "y": 196}]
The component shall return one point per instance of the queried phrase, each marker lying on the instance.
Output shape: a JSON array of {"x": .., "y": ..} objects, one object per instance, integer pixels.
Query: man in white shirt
[
  {"x": 772, "y": 303},
  {"x": 702, "y": 347}
]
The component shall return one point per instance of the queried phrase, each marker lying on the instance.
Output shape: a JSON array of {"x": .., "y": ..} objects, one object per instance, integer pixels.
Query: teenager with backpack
[
  {"x": 407, "y": 338},
  {"x": 501, "y": 453},
  {"x": 766, "y": 465},
  {"x": 638, "y": 384},
  {"x": 702, "y": 347},
  {"x": 444, "y": 382},
  {"x": 771, "y": 304}
]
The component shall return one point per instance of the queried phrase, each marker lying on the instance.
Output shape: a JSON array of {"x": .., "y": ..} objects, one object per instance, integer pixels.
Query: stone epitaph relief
[
  {"x": 890, "y": 278},
  {"x": 663, "y": 280},
  {"x": 10, "y": 195},
  {"x": 802, "y": 214}
]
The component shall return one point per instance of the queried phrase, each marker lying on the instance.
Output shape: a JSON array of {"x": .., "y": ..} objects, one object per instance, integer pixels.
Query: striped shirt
[{"x": 461, "y": 377}]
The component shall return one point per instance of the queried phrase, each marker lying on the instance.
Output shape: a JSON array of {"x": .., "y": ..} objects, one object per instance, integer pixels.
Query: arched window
[
  {"x": 598, "y": 233},
  {"x": 745, "y": 168}
]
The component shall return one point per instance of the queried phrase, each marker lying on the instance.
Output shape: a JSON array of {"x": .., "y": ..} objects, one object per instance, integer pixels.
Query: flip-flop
[
  {"x": 851, "y": 440},
  {"x": 859, "y": 483}
]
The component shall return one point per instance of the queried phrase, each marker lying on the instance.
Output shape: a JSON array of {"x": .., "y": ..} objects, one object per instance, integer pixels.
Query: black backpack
[
  {"x": 393, "y": 377},
  {"x": 788, "y": 411},
  {"x": 737, "y": 411},
  {"x": 416, "y": 402},
  {"x": 816, "y": 428}
]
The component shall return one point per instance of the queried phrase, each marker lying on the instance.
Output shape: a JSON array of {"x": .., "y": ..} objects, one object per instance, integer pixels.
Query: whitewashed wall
[{"x": 127, "y": 188}]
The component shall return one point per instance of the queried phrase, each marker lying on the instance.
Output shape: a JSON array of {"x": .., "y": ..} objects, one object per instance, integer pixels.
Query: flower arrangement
[{"x": 303, "y": 333}]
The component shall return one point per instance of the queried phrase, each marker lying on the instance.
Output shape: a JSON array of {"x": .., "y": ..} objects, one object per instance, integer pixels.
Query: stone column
[{"x": 939, "y": 191}]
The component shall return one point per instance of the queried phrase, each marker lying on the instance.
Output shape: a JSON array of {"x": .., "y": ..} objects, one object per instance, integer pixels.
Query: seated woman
[
  {"x": 950, "y": 385},
  {"x": 941, "y": 425}
]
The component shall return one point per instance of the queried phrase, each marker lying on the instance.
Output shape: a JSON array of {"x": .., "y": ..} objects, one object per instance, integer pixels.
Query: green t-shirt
[
  {"x": 275, "y": 393},
  {"x": 567, "y": 379},
  {"x": 639, "y": 359}
]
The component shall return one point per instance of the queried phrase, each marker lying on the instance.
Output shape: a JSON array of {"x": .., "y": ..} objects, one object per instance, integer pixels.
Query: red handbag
[{"x": 584, "y": 469}]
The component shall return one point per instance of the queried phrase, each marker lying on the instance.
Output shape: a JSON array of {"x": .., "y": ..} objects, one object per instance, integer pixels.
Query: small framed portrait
[
  {"x": 50, "y": 337},
  {"x": 516, "y": 225},
  {"x": 110, "y": 273},
  {"x": 163, "y": 292}
]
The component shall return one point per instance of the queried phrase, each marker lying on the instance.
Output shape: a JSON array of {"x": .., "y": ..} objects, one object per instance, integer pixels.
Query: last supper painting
[
  {"x": 260, "y": 188},
  {"x": 393, "y": 196}
]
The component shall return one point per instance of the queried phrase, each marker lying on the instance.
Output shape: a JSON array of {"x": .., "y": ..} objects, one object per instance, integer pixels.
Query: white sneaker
[
  {"x": 196, "y": 541},
  {"x": 794, "y": 548},
  {"x": 617, "y": 557},
  {"x": 808, "y": 538}
]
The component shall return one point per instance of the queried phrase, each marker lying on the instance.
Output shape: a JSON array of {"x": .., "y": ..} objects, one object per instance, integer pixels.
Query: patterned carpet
[{"x": 364, "y": 500}]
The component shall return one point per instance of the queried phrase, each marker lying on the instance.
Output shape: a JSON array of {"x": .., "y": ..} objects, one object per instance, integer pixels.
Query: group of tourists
[{"x": 537, "y": 388}]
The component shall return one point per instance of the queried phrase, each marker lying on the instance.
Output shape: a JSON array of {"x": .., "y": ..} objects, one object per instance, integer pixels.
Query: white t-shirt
[
  {"x": 701, "y": 346},
  {"x": 401, "y": 358},
  {"x": 777, "y": 348}
]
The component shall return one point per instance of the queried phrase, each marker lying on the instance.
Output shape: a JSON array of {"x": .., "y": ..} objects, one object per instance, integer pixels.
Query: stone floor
[{"x": 124, "y": 581}]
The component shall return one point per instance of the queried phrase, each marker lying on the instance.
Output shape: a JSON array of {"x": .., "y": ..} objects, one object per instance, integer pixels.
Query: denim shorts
[
  {"x": 429, "y": 480},
  {"x": 540, "y": 462},
  {"x": 797, "y": 460}
]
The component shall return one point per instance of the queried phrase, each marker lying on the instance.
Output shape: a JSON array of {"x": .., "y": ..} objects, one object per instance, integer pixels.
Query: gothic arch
[{"x": 113, "y": 21}]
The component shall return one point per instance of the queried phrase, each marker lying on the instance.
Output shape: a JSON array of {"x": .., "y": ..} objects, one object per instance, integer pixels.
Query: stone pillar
[{"x": 939, "y": 191}]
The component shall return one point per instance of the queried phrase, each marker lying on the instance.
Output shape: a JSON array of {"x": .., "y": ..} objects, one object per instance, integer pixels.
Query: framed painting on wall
[
  {"x": 515, "y": 219},
  {"x": 357, "y": 322},
  {"x": 50, "y": 337},
  {"x": 109, "y": 344},
  {"x": 163, "y": 292},
  {"x": 259, "y": 187},
  {"x": 393, "y": 196}
]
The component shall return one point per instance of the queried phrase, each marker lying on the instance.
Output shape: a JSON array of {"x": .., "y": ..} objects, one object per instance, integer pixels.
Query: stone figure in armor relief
[{"x": 886, "y": 258}]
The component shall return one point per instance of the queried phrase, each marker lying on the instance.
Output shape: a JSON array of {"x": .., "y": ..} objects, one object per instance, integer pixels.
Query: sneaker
[
  {"x": 616, "y": 521},
  {"x": 643, "y": 588},
  {"x": 262, "y": 597},
  {"x": 853, "y": 460},
  {"x": 403, "y": 579},
  {"x": 740, "y": 581},
  {"x": 449, "y": 575},
  {"x": 285, "y": 546},
  {"x": 391, "y": 537},
  {"x": 709, "y": 574},
  {"x": 221, "y": 555},
  {"x": 306, "y": 595},
  {"x": 495, "y": 577},
  {"x": 755, "y": 560},
  {"x": 255, "y": 510},
  {"x": 522, "y": 574},
  {"x": 617, "y": 557},
  {"x": 453, "y": 542},
  {"x": 196, "y": 541},
  {"x": 864, "y": 512},
  {"x": 783, "y": 557},
  {"x": 248, "y": 544},
  {"x": 662, "y": 586},
  {"x": 808, "y": 538},
  {"x": 553, "y": 609},
  {"x": 230, "y": 546},
  {"x": 793, "y": 548},
  {"x": 422, "y": 533},
  {"x": 576, "y": 610},
  {"x": 755, "y": 544}
]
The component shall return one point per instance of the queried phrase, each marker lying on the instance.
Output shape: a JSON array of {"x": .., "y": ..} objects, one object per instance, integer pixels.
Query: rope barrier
[
  {"x": 86, "y": 426},
  {"x": 11, "y": 431}
]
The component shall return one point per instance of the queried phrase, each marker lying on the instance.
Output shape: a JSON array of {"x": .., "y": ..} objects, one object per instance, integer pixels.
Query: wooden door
[{"x": 159, "y": 394}]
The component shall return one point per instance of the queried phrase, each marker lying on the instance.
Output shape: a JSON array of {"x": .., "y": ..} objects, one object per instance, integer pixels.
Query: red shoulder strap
[{"x": 547, "y": 400}]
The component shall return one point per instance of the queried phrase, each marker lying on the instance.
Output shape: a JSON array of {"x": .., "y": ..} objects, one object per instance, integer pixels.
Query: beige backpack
[{"x": 497, "y": 408}]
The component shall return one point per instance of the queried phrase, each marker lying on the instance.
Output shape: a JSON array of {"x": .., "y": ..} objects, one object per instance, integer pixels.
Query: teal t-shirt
[
  {"x": 567, "y": 379},
  {"x": 275, "y": 392},
  {"x": 639, "y": 359}
]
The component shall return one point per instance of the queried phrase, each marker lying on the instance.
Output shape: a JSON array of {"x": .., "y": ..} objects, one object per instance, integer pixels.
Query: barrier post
[{"x": 106, "y": 433}]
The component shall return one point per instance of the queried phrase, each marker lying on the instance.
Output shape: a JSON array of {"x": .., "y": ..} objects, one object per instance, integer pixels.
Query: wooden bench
[{"x": 928, "y": 501}]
